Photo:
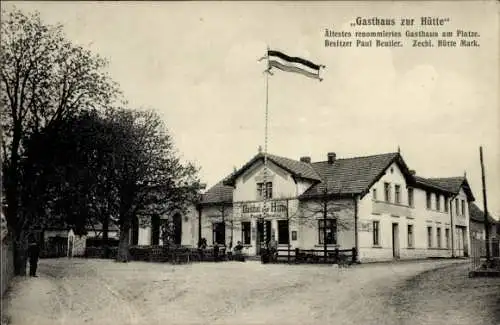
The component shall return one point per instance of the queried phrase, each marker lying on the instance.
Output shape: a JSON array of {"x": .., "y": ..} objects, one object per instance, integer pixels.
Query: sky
[{"x": 196, "y": 64}]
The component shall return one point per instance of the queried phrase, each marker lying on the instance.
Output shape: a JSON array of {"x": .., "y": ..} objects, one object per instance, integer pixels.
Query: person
[
  {"x": 238, "y": 252},
  {"x": 216, "y": 251},
  {"x": 33, "y": 253},
  {"x": 202, "y": 245},
  {"x": 273, "y": 249}
]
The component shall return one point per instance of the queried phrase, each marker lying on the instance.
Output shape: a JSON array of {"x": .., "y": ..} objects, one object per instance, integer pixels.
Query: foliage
[
  {"x": 149, "y": 176},
  {"x": 45, "y": 79}
]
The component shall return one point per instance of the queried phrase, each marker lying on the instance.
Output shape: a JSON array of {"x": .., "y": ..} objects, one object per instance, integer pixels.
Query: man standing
[
  {"x": 33, "y": 253},
  {"x": 273, "y": 249}
]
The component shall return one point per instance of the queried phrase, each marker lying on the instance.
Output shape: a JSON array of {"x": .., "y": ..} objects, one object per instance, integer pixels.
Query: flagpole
[{"x": 266, "y": 127}]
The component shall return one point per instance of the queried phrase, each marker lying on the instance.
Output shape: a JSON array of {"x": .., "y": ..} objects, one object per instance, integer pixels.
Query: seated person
[{"x": 238, "y": 251}]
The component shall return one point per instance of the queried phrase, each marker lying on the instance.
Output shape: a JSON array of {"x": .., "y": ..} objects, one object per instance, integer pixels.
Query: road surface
[{"x": 101, "y": 292}]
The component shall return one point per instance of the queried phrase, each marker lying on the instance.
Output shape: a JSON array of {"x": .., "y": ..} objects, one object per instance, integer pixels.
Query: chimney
[
  {"x": 413, "y": 172},
  {"x": 306, "y": 160},
  {"x": 331, "y": 157}
]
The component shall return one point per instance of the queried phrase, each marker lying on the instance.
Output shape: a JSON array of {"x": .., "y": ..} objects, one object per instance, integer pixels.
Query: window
[
  {"x": 265, "y": 192},
  {"x": 438, "y": 237},
  {"x": 375, "y": 194},
  {"x": 463, "y": 207},
  {"x": 428, "y": 199},
  {"x": 447, "y": 237},
  {"x": 376, "y": 233},
  {"x": 438, "y": 202},
  {"x": 457, "y": 207},
  {"x": 219, "y": 233},
  {"x": 429, "y": 237},
  {"x": 410, "y": 197},
  {"x": 245, "y": 232},
  {"x": 331, "y": 231},
  {"x": 269, "y": 190},
  {"x": 397, "y": 193},
  {"x": 387, "y": 192},
  {"x": 283, "y": 232},
  {"x": 410, "y": 236},
  {"x": 445, "y": 204}
]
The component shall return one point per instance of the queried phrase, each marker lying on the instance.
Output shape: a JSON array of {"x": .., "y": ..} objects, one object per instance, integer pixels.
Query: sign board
[
  {"x": 365, "y": 226},
  {"x": 258, "y": 210}
]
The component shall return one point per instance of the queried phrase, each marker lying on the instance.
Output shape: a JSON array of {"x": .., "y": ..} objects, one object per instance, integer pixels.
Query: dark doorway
[
  {"x": 395, "y": 240},
  {"x": 219, "y": 233},
  {"x": 177, "y": 225},
  {"x": 260, "y": 234},
  {"x": 155, "y": 229},
  {"x": 135, "y": 231}
]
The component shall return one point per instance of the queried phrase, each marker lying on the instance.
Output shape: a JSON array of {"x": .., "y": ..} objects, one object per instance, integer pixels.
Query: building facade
[
  {"x": 477, "y": 224},
  {"x": 375, "y": 204}
]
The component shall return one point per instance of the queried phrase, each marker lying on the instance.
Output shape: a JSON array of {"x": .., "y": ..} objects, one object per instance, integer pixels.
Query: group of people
[
  {"x": 235, "y": 254},
  {"x": 270, "y": 253}
]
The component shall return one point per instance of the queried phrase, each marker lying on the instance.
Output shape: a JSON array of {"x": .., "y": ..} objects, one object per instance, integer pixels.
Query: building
[
  {"x": 477, "y": 228},
  {"x": 374, "y": 203}
]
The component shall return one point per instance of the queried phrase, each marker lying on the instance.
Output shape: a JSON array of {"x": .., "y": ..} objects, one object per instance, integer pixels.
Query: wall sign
[
  {"x": 294, "y": 235},
  {"x": 257, "y": 209}
]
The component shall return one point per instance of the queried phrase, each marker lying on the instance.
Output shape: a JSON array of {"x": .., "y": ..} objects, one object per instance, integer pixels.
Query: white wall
[
  {"x": 403, "y": 215},
  {"x": 246, "y": 185}
]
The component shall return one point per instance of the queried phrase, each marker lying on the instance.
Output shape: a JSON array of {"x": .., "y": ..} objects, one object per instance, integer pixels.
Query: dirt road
[{"x": 103, "y": 292}]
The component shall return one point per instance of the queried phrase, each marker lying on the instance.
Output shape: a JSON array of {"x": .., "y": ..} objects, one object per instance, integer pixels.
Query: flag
[{"x": 281, "y": 61}]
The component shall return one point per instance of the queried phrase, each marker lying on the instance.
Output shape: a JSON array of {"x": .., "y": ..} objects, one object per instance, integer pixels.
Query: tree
[
  {"x": 149, "y": 176},
  {"x": 44, "y": 79},
  {"x": 70, "y": 180},
  {"x": 325, "y": 209}
]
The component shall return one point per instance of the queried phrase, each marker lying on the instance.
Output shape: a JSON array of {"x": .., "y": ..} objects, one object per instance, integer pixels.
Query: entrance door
[
  {"x": 177, "y": 223},
  {"x": 260, "y": 234},
  {"x": 459, "y": 241},
  {"x": 464, "y": 242},
  {"x": 395, "y": 240}
]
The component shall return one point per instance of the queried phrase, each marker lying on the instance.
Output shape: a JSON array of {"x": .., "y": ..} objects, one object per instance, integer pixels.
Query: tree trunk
[
  {"x": 123, "y": 253},
  {"x": 20, "y": 254},
  {"x": 105, "y": 234}
]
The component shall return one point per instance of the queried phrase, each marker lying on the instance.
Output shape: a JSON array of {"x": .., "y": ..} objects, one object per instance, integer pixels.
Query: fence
[
  {"x": 177, "y": 254},
  {"x": 7, "y": 261},
  {"x": 56, "y": 246},
  {"x": 478, "y": 251},
  {"x": 333, "y": 256}
]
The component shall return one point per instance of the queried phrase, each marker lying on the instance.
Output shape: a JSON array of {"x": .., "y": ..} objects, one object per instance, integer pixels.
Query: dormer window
[{"x": 265, "y": 192}]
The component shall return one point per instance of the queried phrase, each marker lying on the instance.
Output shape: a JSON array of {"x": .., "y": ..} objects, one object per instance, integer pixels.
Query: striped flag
[{"x": 281, "y": 61}]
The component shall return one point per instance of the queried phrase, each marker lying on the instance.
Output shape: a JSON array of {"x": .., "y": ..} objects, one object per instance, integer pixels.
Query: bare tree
[
  {"x": 44, "y": 79},
  {"x": 324, "y": 208}
]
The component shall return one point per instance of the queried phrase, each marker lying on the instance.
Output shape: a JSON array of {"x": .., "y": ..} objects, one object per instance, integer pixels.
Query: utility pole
[
  {"x": 325, "y": 211},
  {"x": 486, "y": 221}
]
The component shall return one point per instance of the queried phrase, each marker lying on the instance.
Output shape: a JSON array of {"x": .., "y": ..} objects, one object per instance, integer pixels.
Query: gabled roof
[
  {"x": 346, "y": 176},
  {"x": 354, "y": 175},
  {"x": 476, "y": 214},
  {"x": 219, "y": 193},
  {"x": 297, "y": 168},
  {"x": 451, "y": 185},
  {"x": 426, "y": 183}
]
